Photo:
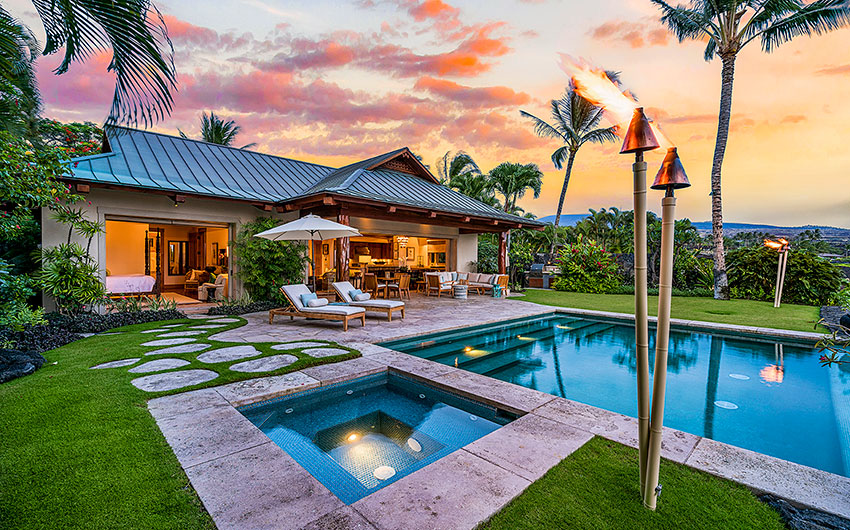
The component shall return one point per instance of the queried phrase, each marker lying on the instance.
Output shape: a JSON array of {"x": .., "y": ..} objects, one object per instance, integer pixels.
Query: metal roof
[{"x": 154, "y": 161}]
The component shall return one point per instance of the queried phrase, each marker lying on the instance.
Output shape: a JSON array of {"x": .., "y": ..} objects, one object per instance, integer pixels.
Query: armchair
[{"x": 215, "y": 290}]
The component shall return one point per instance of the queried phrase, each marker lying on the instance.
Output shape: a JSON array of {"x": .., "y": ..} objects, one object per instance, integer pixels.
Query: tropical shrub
[
  {"x": 74, "y": 139},
  {"x": 265, "y": 265},
  {"x": 809, "y": 280},
  {"x": 488, "y": 252},
  {"x": 842, "y": 298},
  {"x": 15, "y": 312},
  {"x": 240, "y": 306},
  {"x": 71, "y": 277},
  {"x": 586, "y": 267},
  {"x": 692, "y": 272},
  {"x": 134, "y": 304}
]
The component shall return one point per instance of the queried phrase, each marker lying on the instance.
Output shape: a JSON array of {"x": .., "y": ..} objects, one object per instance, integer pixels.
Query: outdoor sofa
[
  {"x": 343, "y": 313},
  {"x": 343, "y": 290},
  {"x": 440, "y": 282}
]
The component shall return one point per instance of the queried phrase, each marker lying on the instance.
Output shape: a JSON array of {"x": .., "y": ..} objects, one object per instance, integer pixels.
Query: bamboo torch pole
[
  {"x": 670, "y": 176},
  {"x": 639, "y": 138},
  {"x": 778, "y": 281},
  {"x": 781, "y": 285}
]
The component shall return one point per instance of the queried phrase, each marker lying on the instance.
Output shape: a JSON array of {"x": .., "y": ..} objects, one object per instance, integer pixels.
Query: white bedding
[{"x": 130, "y": 283}]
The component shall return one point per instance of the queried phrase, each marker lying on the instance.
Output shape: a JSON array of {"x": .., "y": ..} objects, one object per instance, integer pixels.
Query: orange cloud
[
  {"x": 493, "y": 96},
  {"x": 635, "y": 34}
]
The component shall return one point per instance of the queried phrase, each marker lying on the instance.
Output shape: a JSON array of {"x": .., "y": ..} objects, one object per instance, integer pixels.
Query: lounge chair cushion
[
  {"x": 293, "y": 293},
  {"x": 362, "y": 297},
  {"x": 335, "y": 309},
  {"x": 307, "y": 297},
  {"x": 382, "y": 304},
  {"x": 343, "y": 289},
  {"x": 317, "y": 302}
]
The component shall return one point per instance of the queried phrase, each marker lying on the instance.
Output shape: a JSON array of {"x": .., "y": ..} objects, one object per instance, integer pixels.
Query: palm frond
[
  {"x": 687, "y": 23},
  {"x": 20, "y": 101},
  {"x": 543, "y": 129},
  {"x": 142, "y": 54},
  {"x": 600, "y": 136},
  {"x": 560, "y": 155},
  {"x": 821, "y": 16}
]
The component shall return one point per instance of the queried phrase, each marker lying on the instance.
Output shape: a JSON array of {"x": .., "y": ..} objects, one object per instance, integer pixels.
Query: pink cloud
[
  {"x": 493, "y": 96},
  {"x": 635, "y": 34}
]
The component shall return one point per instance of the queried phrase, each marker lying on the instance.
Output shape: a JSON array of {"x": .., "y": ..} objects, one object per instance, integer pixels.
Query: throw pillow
[
  {"x": 353, "y": 293},
  {"x": 317, "y": 302},
  {"x": 454, "y": 276},
  {"x": 306, "y": 297},
  {"x": 362, "y": 297},
  {"x": 473, "y": 277}
]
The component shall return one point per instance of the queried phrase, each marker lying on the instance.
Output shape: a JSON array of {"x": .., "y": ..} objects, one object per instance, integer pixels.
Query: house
[{"x": 172, "y": 205}]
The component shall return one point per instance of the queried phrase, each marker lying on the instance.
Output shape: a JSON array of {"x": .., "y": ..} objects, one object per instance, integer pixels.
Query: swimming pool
[
  {"x": 767, "y": 396},
  {"x": 359, "y": 436}
]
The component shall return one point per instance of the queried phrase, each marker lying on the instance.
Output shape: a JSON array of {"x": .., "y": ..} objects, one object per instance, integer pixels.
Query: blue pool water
[
  {"x": 770, "y": 397},
  {"x": 359, "y": 436}
]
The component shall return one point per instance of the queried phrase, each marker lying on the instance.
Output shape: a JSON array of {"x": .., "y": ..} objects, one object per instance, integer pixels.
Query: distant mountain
[{"x": 567, "y": 219}]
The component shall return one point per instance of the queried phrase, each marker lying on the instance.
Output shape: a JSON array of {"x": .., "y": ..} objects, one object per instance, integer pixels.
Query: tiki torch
[
  {"x": 640, "y": 138},
  {"x": 670, "y": 177},
  {"x": 780, "y": 246}
]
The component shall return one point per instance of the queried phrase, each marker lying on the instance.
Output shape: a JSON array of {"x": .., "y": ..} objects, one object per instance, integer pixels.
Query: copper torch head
[
  {"x": 639, "y": 137},
  {"x": 672, "y": 173}
]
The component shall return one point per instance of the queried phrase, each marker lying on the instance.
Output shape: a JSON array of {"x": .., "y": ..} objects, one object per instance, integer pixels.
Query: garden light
[{"x": 780, "y": 246}]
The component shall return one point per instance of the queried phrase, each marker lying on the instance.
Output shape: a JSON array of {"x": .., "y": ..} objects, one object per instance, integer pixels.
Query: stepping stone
[
  {"x": 173, "y": 380},
  {"x": 186, "y": 333},
  {"x": 116, "y": 364},
  {"x": 296, "y": 345},
  {"x": 209, "y": 326},
  {"x": 225, "y": 320},
  {"x": 157, "y": 330},
  {"x": 184, "y": 348},
  {"x": 158, "y": 366},
  {"x": 172, "y": 325},
  {"x": 264, "y": 364},
  {"x": 108, "y": 333},
  {"x": 199, "y": 316},
  {"x": 324, "y": 352},
  {"x": 231, "y": 353},
  {"x": 168, "y": 342}
]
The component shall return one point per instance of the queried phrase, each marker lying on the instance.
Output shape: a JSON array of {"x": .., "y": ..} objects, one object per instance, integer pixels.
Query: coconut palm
[
  {"x": 460, "y": 172},
  {"x": 141, "y": 52},
  {"x": 513, "y": 181},
  {"x": 215, "y": 130},
  {"x": 727, "y": 26},
  {"x": 574, "y": 122},
  {"x": 19, "y": 98}
]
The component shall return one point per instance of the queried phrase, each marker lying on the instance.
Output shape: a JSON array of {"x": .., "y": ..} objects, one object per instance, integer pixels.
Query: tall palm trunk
[
  {"x": 721, "y": 282},
  {"x": 567, "y": 174}
]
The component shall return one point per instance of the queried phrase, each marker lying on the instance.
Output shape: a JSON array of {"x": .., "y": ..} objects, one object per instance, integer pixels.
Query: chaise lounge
[
  {"x": 343, "y": 290},
  {"x": 343, "y": 313}
]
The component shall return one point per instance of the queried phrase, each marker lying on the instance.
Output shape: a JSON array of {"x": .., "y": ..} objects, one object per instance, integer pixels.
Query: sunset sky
[{"x": 334, "y": 82}]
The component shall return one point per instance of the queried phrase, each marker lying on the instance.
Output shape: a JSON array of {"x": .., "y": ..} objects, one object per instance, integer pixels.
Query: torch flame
[
  {"x": 783, "y": 241},
  {"x": 594, "y": 85},
  {"x": 775, "y": 245}
]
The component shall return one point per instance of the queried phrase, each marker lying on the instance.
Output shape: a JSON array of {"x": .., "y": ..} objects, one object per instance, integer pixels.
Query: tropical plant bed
[
  {"x": 597, "y": 487},
  {"x": 242, "y": 308},
  {"x": 79, "y": 448},
  {"x": 741, "y": 312}
]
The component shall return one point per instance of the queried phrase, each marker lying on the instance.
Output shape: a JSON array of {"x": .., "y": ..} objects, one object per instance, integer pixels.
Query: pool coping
[{"x": 233, "y": 465}]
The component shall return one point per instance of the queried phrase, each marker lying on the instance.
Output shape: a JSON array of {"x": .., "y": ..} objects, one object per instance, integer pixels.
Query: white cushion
[
  {"x": 317, "y": 302},
  {"x": 294, "y": 292},
  {"x": 384, "y": 304},
  {"x": 362, "y": 297},
  {"x": 462, "y": 276},
  {"x": 486, "y": 278},
  {"x": 473, "y": 277},
  {"x": 342, "y": 289},
  {"x": 335, "y": 309}
]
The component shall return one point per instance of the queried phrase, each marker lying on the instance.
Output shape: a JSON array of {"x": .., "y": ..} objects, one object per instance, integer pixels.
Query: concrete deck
[{"x": 246, "y": 481}]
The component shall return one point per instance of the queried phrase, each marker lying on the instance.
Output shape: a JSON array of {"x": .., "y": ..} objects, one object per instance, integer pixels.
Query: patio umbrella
[{"x": 308, "y": 228}]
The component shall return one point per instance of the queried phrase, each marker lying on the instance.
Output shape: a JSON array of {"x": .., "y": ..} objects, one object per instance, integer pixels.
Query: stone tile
[
  {"x": 173, "y": 380},
  {"x": 116, "y": 364},
  {"x": 261, "y": 488},
  {"x": 155, "y": 330},
  {"x": 206, "y": 434},
  {"x": 366, "y": 349},
  {"x": 298, "y": 344},
  {"x": 198, "y": 316},
  {"x": 261, "y": 389},
  {"x": 184, "y": 402},
  {"x": 209, "y": 326},
  {"x": 230, "y": 353},
  {"x": 675, "y": 445},
  {"x": 412, "y": 365},
  {"x": 529, "y": 446},
  {"x": 168, "y": 342},
  {"x": 158, "y": 365},
  {"x": 324, "y": 352},
  {"x": 184, "y": 348},
  {"x": 264, "y": 364},
  {"x": 336, "y": 372},
  {"x": 344, "y": 518},
  {"x": 504, "y": 395},
  {"x": 108, "y": 333},
  {"x": 794, "y": 482},
  {"x": 186, "y": 333},
  {"x": 172, "y": 325},
  {"x": 225, "y": 320},
  {"x": 456, "y": 492}
]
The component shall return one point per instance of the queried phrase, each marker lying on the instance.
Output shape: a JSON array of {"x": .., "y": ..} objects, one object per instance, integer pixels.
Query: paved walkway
[{"x": 424, "y": 315}]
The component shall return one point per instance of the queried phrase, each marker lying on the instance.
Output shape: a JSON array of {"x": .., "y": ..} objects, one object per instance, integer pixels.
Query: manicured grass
[
  {"x": 597, "y": 487},
  {"x": 79, "y": 449},
  {"x": 742, "y": 312}
]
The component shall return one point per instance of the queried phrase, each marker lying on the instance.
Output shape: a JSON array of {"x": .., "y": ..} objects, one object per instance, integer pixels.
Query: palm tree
[
  {"x": 20, "y": 101},
  {"x": 574, "y": 122},
  {"x": 215, "y": 130},
  {"x": 461, "y": 173},
  {"x": 727, "y": 26},
  {"x": 513, "y": 180},
  {"x": 141, "y": 51}
]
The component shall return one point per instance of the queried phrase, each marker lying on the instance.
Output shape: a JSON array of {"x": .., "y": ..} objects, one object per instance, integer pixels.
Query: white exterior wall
[
  {"x": 467, "y": 251},
  {"x": 154, "y": 208}
]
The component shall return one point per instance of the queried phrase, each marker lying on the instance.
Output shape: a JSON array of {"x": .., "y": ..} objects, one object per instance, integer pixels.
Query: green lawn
[
  {"x": 597, "y": 487},
  {"x": 742, "y": 312},
  {"x": 78, "y": 448}
]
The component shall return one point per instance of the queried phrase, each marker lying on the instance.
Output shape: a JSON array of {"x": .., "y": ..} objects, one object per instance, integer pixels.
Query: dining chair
[{"x": 402, "y": 286}]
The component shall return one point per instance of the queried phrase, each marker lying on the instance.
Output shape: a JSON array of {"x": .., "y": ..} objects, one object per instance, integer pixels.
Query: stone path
[
  {"x": 173, "y": 380},
  {"x": 186, "y": 333},
  {"x": 155, "y": 330},
  {"x": 264, "y": 364},
  {"x": 183, "y": 348},
  {"x": 224, "y": 320},
  {"x": 230, "y": 353},
  {"x": 209, "y": 326},
  {"x": 168, "y": 342},
  {"x": 158, "y": 366},
  {"x": 172, "y": 325},
  {"x": 116, "y": 364},
  {"x": 296, "y": 345},
  {"x": 324, "y": 352}
]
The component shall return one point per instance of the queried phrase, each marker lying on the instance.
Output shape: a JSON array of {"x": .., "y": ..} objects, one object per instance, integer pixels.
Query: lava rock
[
  {"x": 14, "y": 364},
  {"x": 241, "y": 309},
  {"x": 845, "y": 320},
  {"x": 804, "y": 518}
]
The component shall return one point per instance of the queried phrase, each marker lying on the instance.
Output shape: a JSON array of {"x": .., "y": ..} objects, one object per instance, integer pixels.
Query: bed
[{"x": 130, "y": 284}]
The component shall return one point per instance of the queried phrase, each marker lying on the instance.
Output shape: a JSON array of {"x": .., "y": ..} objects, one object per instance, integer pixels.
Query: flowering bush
[{"x": 586, "y": 267}]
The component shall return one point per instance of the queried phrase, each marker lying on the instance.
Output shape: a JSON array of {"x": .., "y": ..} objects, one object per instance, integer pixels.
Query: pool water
[
  {"x": 359, "y": 436},
  {"x": 770, "y": 397}
]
